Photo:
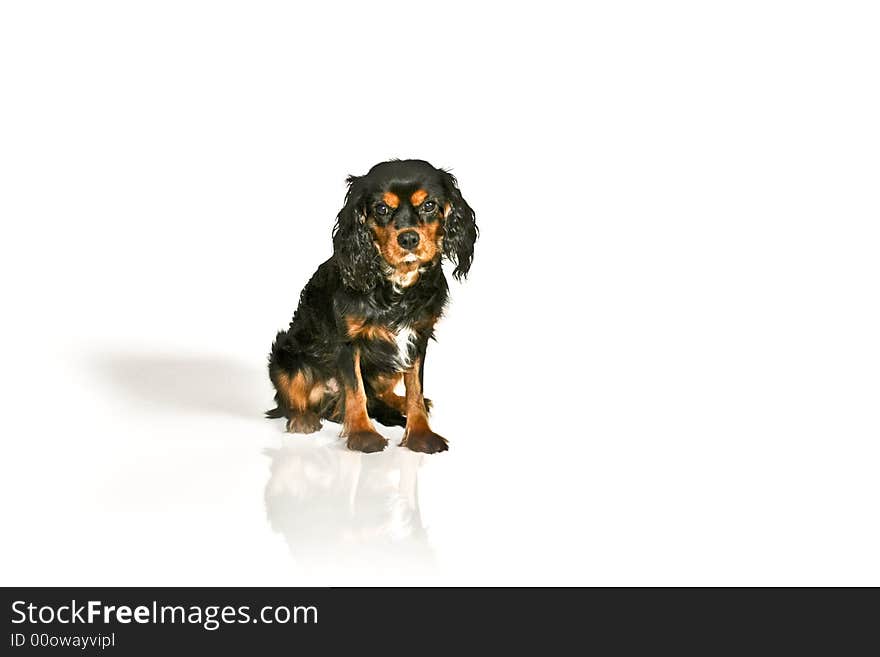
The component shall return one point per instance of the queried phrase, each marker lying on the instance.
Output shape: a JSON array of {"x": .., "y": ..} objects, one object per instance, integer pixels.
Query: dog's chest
[{"x": 404, "y": 338}]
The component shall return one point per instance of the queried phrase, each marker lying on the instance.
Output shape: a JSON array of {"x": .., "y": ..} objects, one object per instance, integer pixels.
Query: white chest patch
[
  {"x": 404, "y": 337},
  {"x": 403, "y": 279}
]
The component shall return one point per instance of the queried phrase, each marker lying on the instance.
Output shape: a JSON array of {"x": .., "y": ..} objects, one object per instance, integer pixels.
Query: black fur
[
  {"x": 358, "y": 262},
  {"x": 461, "y": 229},
  {"x": 357, "y": 282}
]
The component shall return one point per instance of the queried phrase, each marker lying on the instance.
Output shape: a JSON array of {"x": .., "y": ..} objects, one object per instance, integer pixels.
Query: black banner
[{"x": 149, "y": 620}]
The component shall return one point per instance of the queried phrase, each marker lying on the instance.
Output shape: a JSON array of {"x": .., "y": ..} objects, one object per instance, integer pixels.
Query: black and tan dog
[{"x": 365, "y": 317}]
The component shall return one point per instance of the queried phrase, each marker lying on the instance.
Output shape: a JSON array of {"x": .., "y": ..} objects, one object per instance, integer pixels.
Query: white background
[{"x": 662, "y": 370}]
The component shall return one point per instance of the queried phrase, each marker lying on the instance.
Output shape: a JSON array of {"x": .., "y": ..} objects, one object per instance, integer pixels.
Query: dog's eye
[
  {"x": 382, "y": 209},
  {"x": 429, "y": 206}
]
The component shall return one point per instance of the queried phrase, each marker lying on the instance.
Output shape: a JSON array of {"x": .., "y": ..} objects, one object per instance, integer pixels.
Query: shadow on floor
[{"x": 195, "y": 384}]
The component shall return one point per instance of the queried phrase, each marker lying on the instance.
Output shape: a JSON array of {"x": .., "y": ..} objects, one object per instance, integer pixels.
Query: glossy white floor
[
  {"x": 156, "y": 468},
  {"x": 662, "y": 369}
]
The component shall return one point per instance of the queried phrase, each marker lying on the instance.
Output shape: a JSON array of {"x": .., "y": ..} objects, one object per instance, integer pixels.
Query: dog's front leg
[
  {"x": 356, "y": 424},
  {"x": 418, "y": 436}
]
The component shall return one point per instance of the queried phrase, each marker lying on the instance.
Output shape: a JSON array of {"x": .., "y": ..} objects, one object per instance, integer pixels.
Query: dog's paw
[
  {"x": 366, "y": 441},
  {"x": 304, "y": 423},
  {"x": 426, "y": 442}
]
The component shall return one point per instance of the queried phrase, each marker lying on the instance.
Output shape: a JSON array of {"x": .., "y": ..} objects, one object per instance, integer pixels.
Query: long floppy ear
[
  {"x": 461, "y": 228},
  {"x": 352, "y": 242}
]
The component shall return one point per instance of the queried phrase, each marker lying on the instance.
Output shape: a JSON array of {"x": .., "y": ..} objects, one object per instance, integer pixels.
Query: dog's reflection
[{"x": 344, "y": 511}]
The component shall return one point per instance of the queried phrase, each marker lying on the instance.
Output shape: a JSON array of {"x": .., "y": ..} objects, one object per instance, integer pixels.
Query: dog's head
[{"x": 400, "y": 218}]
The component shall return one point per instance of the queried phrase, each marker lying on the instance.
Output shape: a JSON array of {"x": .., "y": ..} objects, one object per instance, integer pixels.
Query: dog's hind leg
[
  {"x": 381, "y": 412},
  {"x": 299, "y": 392},
  {"x": 301, "y": 397},
  {"x": 383, "y": 404}
]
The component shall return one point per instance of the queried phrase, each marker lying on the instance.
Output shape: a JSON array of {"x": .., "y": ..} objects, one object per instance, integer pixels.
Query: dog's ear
[
  {"x": 461, "y": 228},
  {"x": 352, "y": 241}
]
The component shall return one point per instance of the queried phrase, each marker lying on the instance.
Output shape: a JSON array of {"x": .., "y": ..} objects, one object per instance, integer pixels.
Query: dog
[{"x": 365, "y": 317}]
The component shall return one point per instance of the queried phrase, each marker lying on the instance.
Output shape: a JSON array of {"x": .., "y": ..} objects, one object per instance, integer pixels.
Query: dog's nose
[{"x": 408, "y": 240}]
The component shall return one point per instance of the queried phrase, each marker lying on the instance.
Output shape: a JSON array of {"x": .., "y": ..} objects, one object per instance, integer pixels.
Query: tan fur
[
  {"x": 358, "y": 328},
  {"x": 416, "y": 413},
  {"x": 404, "y": 274},
  {"x": 356, "y": 418},
  {"x": 384, "y": 387},
  {"x": 418, "y": 197},
  {"x": 295, "y": 390}
]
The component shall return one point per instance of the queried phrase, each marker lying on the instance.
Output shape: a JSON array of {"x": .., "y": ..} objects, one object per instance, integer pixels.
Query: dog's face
[
  {"x": 406, "y": 218},
  {"x": 400, "y": 218}
]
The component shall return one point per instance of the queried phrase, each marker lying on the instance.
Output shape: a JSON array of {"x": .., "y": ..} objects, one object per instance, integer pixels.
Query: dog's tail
[
  {"x": 277, "y": 350},
  {"x": 280, "y": 409},
  {"x": 274, "y": 413}
]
